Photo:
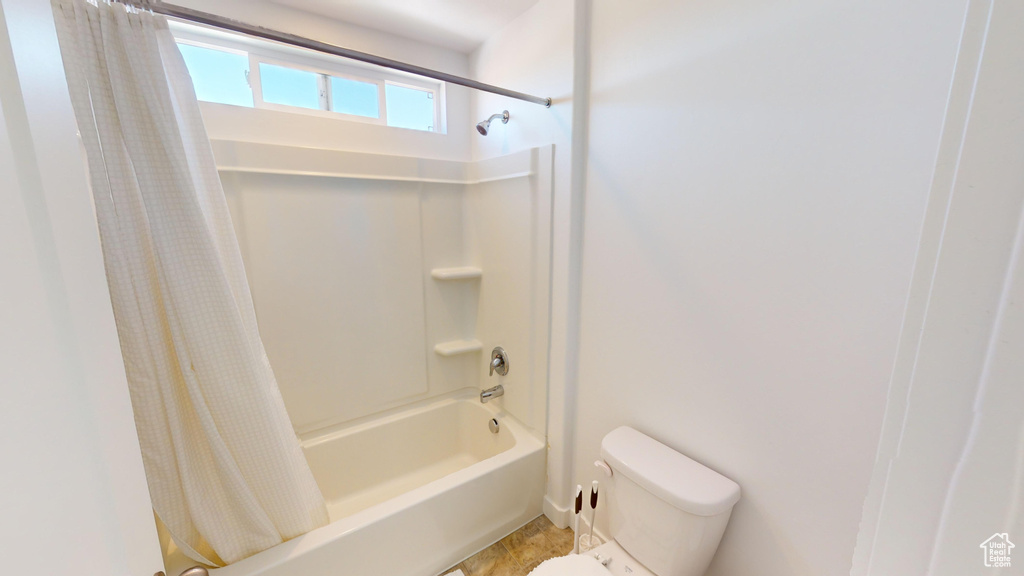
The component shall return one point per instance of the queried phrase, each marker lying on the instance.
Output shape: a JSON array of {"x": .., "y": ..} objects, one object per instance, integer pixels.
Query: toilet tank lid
[{"x": 684, "y": 483}]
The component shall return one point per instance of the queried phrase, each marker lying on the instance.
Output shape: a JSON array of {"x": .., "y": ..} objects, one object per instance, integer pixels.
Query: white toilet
[{"x": 667, "y": 513}]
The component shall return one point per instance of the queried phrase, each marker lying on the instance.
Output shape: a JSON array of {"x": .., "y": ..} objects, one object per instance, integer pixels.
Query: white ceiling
[{"x": 457, "y": 24}]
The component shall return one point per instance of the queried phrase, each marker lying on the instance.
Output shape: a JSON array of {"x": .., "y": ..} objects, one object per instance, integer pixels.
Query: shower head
[{"x": 484, "y": 126}]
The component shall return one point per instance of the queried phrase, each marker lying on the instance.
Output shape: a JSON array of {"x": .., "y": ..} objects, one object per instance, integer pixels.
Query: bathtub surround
[
  {"x": 226, "y": 474},
  {"x": 316, "y": 228}
]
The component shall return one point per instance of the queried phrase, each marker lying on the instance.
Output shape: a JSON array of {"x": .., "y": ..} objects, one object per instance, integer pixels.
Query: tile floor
[{"x": 519, "y": 552}]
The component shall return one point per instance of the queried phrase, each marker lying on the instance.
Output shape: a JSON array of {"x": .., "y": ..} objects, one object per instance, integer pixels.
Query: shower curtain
[{"x": 225, "y": 470}]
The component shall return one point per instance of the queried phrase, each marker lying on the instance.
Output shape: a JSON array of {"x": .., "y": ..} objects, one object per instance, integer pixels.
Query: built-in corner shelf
[
  {"x": 461, "y": 273},
  {"x": 454, "y": 347}
]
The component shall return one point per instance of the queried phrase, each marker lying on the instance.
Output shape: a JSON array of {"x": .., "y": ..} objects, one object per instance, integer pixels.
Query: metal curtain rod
[{"x": 216, "y": 21}]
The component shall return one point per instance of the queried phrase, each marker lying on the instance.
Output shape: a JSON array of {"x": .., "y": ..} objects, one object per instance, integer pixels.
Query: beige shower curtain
[{"x": 225, "y": 470}]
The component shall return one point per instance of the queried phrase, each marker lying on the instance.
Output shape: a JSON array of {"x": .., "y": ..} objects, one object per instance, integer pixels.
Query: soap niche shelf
[
  {"x": 455, "y": 347},
  {"x": 460, "y": 273}
]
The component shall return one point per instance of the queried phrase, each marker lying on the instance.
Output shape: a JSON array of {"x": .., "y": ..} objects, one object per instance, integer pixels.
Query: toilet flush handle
[{"x": 603, "y": 467}]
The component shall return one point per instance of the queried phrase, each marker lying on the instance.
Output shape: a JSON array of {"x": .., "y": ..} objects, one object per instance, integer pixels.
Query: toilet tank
[{"x": 668, "y": 511}]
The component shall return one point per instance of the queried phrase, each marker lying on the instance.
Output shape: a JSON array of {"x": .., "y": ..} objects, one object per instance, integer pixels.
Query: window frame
[
  {"x": 435, "y": 97},
  {"x": 325, "y": 66},
  {"x": 323, "y": 87}
]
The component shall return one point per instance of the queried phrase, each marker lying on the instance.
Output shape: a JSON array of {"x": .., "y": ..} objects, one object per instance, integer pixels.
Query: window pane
[
  {"x": 409, "y": 107},
  {"x": 289, "y": 86},
  {"x": 218, "y": 76},
  {"x": 354, "y": 97}
]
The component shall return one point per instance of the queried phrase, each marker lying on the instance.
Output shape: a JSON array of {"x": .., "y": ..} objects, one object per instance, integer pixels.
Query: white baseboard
[{"x": 561, "y": 517}]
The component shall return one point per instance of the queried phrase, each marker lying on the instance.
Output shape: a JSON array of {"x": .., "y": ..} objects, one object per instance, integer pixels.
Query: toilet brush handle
[{"x": 576, "y": 526}]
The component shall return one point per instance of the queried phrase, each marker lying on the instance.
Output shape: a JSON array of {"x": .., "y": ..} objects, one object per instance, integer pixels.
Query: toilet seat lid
[{"x": 571, "y": 565}]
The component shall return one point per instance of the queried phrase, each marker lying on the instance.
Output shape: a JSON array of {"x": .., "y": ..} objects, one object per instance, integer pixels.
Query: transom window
[{"x": 229, "y": 69}]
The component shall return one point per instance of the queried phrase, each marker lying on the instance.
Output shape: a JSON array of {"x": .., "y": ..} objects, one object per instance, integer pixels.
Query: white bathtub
[{"x": 410, "y": 494}]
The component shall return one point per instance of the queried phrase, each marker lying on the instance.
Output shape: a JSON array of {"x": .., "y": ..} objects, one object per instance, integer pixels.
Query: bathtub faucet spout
[{"x": 492, "y": 393}]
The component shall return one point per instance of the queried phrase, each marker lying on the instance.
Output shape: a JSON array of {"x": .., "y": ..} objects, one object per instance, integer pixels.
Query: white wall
[
  {"x": 757, "y": 179},
  {"x": 273, "y": 127},
  {"x": 949, "y": 468},
  {"x": 73, "y": 491},
  {"x": 535, "y": 54}
]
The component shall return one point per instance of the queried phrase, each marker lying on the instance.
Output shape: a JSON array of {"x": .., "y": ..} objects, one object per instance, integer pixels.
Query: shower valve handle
[{"x": 499, "y": 362}]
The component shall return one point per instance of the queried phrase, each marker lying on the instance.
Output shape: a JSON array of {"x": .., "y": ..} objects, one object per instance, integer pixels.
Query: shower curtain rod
[{"x": 190, "y": 15}]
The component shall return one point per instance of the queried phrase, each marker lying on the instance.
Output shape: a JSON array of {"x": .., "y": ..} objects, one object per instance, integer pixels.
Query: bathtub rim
[{"x": 526, "y": 444}]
